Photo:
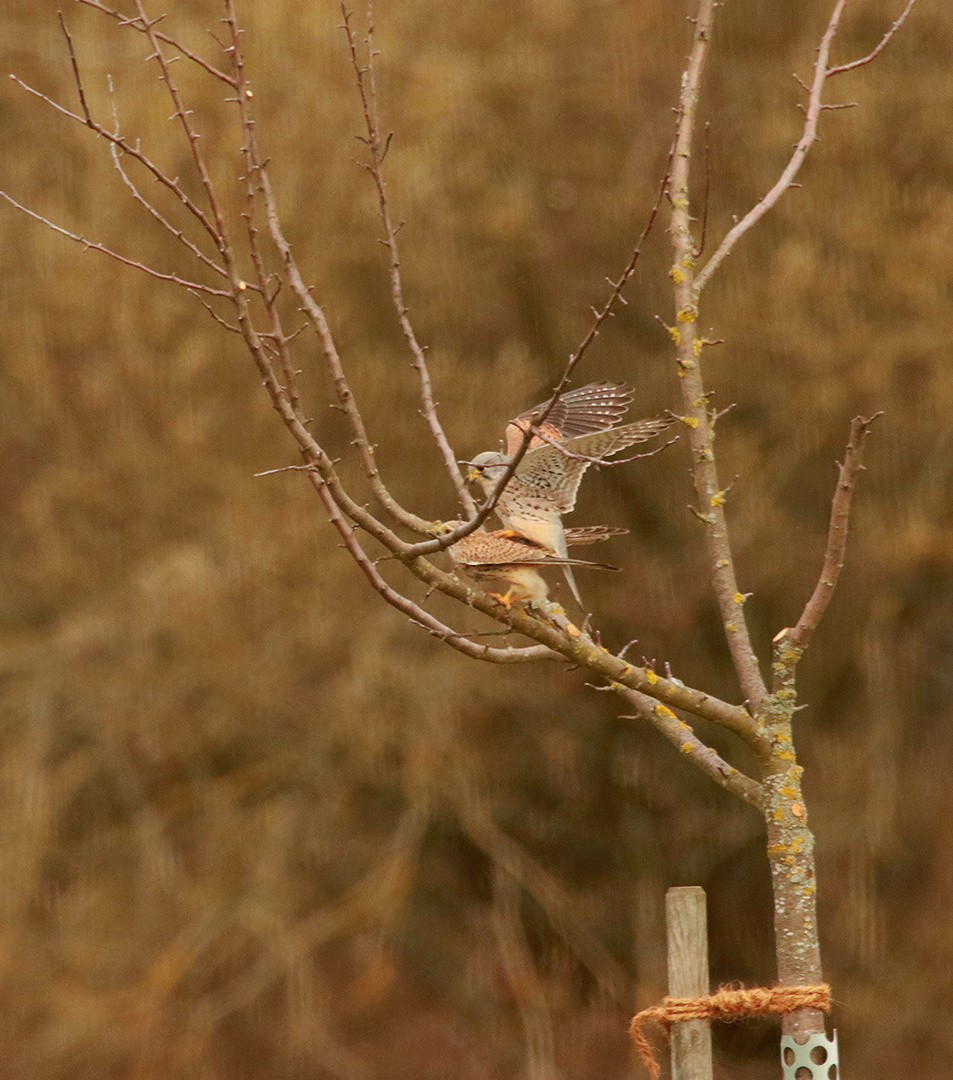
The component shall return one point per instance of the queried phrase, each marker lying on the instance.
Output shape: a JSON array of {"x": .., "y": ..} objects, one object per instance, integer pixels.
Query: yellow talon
[{"x": 506, "y": 599}]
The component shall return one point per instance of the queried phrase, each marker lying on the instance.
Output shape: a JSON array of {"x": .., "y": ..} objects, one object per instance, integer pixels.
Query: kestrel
[
  {"x": 547, "y": 479},
  {"x": 504, "y": 558}
]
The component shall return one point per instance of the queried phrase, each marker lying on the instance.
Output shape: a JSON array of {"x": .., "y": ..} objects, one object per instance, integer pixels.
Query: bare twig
[
  {"x": 615, "y": 294},
  {"x": 137, "y": 24},
  {"x": 92, "y": 246},
  {"x": 377, "y": 147},
  {"x": 140, "y": 198},
  {"x": 598, "y": 461},
  {"x": 253, "y": 189},
  {"x": 75, "y": 66},
  {"x": 133, "y": 152},
  {"x": 812, "y": 113},
  {"x": 800, "y": 637},
  {"x": 192, "y": 137},
  {"x": 875, "y": 52}
]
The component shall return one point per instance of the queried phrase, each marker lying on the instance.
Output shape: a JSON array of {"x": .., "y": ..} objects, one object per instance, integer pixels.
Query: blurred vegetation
[{"x": 252, "y": 824}]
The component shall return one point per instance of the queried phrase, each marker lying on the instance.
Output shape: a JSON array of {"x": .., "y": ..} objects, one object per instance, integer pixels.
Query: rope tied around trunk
[{"x": 725, "y": 1004}]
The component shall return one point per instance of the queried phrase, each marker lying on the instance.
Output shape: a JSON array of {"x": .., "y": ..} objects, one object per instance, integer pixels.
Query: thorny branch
[
  {"x": 815, "y": 107},
  {"x": 138, "y": 24},
  {"x": 136, "y": 193},
  {"x": 377, "y": 148},
  {"x": 91, "y": 245}
]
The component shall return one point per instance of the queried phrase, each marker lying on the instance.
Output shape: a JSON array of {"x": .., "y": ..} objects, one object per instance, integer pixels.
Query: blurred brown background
[{"x": 254, "y": 825}]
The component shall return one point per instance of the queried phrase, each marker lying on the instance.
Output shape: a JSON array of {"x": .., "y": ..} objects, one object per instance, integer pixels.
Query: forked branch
[{"x": 815, "y": 106}]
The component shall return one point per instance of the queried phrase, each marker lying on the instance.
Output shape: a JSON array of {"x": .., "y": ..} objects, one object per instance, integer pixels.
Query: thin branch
[
  {"x": 318, "y": 322},
  {"x": 603, "y": 313},
  {"x": 367, "y": 87},
  {"x": 91, "y": 246},
  {"x": 140, "y": 198},
  {"x": 135, "y": 23},
  {"x": 218, "y": 318},
  {"x": 598, "y": 462},
  {"x": 192, "y": 137},
  {"x": 703, "y": 757},
  {"x": 874, "y": 53},
  {"x": 814, "y": 109},
  {"x": 253, "y": 188},
  {"x": 134, "y": 152},
  {"x": 75, "y": 65},
  {"x": 800, "y": 637}
]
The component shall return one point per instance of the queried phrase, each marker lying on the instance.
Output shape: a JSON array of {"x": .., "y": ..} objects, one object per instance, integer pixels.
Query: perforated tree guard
[{"x": 815, "y": 1059}]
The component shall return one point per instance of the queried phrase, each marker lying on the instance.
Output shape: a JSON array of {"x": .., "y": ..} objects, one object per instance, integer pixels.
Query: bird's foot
[{"x": 506, "y": 599}]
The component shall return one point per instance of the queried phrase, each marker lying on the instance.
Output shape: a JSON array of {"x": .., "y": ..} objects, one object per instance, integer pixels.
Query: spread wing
[
  {"x": 557, "y": 472},
  {"x": 595, "y": 407}
]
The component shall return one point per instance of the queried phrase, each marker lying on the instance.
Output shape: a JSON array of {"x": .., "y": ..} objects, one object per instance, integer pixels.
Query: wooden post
[{"x": 687, "y": 933}]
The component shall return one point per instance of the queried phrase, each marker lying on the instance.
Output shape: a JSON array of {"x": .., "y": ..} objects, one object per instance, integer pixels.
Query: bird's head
[
  {"x": 445, "y": 528},
  {"x": 486, "y": 468}
]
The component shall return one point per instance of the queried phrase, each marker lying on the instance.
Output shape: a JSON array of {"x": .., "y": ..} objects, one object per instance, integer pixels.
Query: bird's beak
[{"x": 473, "y": 471}]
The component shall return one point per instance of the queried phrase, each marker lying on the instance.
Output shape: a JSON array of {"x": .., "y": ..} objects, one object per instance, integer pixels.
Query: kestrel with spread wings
[
  {"x": 503, "y": 558},
  {"x": 547, "y": 479}
]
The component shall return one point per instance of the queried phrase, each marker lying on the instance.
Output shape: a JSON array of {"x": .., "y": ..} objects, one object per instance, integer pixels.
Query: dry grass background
[{"x": 251, "y": 823}]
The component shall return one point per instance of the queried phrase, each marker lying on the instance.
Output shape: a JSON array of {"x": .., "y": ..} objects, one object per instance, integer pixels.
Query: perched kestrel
[
  {"x": 504, "y": 558},
  {"x": 547, "y": 479}
]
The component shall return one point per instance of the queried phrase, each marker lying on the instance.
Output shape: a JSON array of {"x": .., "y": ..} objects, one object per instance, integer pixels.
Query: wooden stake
[{"x": 687, "y": 932}]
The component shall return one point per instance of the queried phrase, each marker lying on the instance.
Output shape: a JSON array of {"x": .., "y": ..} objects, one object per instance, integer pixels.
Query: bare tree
[{"x": 244, "y": 271}]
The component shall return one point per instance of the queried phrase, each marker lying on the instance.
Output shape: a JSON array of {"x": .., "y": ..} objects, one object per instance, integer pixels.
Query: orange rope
[{"x": 725, "y": 1004}]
